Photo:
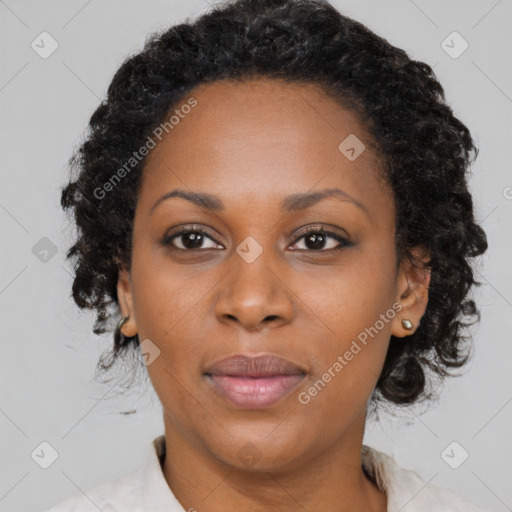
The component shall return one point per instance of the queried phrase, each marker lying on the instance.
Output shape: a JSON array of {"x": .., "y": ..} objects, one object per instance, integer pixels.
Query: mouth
[{"x": 254, "y": 382}]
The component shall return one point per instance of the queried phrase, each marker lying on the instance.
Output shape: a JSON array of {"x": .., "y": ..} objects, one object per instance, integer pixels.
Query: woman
[{"x": 274, "y": 202}]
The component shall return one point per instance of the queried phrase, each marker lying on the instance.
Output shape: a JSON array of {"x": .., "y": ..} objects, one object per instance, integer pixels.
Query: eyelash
[{"x": 343, "y": 242}]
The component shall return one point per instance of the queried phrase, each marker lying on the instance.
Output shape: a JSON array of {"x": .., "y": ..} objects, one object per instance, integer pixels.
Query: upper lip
[{"x": 254, "y": 366}]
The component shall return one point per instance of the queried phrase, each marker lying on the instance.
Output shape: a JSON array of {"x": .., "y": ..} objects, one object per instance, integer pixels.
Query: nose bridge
[{"x": 253, "y": 293}]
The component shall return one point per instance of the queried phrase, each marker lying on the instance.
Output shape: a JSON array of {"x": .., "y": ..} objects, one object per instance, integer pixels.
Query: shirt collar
[{"x": 153, "y": 492}]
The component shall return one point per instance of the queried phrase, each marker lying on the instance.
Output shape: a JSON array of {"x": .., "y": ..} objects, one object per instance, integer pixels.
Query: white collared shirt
[{"x": 146, "y": 490}]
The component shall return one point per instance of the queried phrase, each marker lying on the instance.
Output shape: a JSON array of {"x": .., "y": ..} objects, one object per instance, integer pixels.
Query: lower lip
[{"x": 255, "y": 392}]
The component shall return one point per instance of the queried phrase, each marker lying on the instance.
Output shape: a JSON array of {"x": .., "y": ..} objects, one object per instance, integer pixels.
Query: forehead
[{"x": 260, "y": 140}]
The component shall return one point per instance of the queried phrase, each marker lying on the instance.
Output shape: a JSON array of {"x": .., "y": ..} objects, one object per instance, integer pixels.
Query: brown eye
[
  {"x": 321, "y": 240},
  {"x": 190, "y": 239}
]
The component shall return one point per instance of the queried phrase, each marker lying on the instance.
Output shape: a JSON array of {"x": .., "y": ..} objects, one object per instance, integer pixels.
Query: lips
[
  {"x": 254, "y": 382},
  {"x": 260, "y": 366}
]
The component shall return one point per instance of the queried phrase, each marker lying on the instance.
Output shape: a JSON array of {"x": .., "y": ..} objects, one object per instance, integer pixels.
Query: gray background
[{"x": 48, "y": 350}]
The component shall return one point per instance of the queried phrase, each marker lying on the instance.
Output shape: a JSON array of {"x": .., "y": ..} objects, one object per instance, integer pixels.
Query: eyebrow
[{"x": 290, "y": 203}]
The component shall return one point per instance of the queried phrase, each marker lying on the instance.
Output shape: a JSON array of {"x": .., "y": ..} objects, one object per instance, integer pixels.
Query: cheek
[
  {"x": 345, "y": 300},
  {"x": 173, "y": 311},
  {"x": 349, "y": 313},
  {"x": 164, "y": 293},
  {"x": 347, "y": 356},
  {"x": 166, "y": 308},
  {"x": 167, "y": 314}
]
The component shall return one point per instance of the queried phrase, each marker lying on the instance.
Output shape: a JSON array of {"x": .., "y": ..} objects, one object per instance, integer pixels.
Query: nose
[{"x": 254, "y": 296}]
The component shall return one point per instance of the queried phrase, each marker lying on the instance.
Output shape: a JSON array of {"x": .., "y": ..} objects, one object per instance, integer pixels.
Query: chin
[{"x": 261, "y": 453}]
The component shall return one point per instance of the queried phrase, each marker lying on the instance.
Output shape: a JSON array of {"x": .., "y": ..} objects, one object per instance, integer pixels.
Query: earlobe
[
  {"x": 125, "y": 298},
  {"x": 412, "y": 286}
]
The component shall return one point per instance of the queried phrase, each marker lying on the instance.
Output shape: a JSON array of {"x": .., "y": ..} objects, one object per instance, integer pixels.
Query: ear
[
  {"x": 413, "y": 282},
  {"x": 125, "y": 297}
]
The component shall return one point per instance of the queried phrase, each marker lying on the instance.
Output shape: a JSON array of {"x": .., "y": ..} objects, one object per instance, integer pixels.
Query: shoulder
[
  {"x": 406, "y": 491},
  {"x": 107, "y": 497},
  {"x": 142, "y": 489}
]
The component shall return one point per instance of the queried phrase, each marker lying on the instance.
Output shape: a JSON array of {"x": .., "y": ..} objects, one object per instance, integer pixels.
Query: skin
[{"x": 251, "y": 144}]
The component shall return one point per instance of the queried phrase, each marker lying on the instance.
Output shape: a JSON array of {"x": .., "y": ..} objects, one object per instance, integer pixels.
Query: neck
[{"x": 331, "y": 481}]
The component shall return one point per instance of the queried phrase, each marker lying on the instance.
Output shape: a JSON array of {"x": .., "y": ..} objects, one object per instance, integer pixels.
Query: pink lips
[{"x": 254, "y": 382}]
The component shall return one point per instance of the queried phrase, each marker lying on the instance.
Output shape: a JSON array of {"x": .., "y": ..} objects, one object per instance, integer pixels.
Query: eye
[
  {"x": 189, "y": 239},
  {"x": 316, "y": 239}
]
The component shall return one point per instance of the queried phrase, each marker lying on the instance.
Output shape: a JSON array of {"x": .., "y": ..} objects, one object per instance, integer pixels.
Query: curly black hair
[{"x": 425, "y": 155}]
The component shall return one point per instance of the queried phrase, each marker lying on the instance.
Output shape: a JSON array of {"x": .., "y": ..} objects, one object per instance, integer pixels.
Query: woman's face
[{"x": 247, "y": 280}]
